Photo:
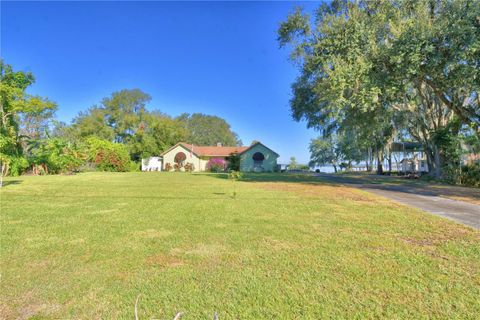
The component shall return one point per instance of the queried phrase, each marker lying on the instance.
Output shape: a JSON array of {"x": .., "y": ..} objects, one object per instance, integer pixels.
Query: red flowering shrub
[
  {"x": 216, "y": 165},
  {"x": 108, "y": 156},
  {"x": 189, "y": 167}
]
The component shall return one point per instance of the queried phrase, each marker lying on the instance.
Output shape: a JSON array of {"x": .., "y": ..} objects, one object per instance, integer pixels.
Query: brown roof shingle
[{"x": 212, "y": 151}]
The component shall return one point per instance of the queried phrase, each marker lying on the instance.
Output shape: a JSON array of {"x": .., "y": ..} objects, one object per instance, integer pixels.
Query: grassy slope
[{"x": 85, "y": 246}]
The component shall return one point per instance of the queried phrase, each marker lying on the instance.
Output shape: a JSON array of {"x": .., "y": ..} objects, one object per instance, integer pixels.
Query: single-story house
[
  {"x": 410, "y": 165},
  {"x": 255, "y": 158}
]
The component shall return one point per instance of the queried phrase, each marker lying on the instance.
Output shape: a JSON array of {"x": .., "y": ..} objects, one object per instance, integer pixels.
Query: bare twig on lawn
[
  {"x": 178, "y": 316},
  {"x": 136, "y": 307}
]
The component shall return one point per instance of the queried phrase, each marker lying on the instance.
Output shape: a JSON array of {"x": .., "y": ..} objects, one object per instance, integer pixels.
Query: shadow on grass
[{"x": 10, "y": 182}]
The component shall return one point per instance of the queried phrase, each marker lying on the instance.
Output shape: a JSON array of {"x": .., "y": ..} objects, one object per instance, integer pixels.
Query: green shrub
[
  {"x": 234, "y": 162},
  {"x": 54, "y": 155},
  {"x": 108, "y": 156},
  {"x": 234, "y": 176},
  {"x": 18, "y": 165},
  {"x": 134, "y": 166},
  {"x": 470, "y": 175},
  {"x": 63, "y": 156}
]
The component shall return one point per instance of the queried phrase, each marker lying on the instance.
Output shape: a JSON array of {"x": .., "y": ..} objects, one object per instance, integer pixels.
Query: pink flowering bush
[{"x": 216, "y": 165}]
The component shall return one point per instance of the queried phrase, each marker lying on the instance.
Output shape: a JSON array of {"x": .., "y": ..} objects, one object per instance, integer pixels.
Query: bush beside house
[{"x": 216, "y": 165}]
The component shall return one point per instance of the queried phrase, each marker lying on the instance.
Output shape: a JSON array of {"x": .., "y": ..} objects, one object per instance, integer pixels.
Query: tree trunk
[
  {"x": 379, "y": 166},
  {"x": 335, "y": 168},
  {"x": 437, "y": 161},
  {"x": 3, "y": 173},
  {"x": 380, "y": 158},
  {"x": 390, "y": 163},
  {"x": 369, "y": 160}
]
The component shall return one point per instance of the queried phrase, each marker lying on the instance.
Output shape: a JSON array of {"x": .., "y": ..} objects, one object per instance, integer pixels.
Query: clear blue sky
[{"x": 219, "y": 58}]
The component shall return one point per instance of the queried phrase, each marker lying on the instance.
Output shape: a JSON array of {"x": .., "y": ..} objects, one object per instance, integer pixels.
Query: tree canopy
[
  {"x": 16, "y": 104},
  {"x": 108, "y": 135},
  {"x": 208, "y": 130},
  {"x": 383, "y": 68}
]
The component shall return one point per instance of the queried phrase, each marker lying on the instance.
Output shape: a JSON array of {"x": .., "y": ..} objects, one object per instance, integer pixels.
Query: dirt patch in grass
[
  {"x": 207, "y": 250},
  {"x": 433, "y": 240},
  {"x": 164, "y": 261},
  {"x": 152, "y": 233},
  {"x": 28, "y": 307},
  {"x": 275, "y": 244}
]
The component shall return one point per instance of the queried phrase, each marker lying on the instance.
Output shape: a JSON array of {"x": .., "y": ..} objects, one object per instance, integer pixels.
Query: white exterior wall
[
  {"x": 152, "y": 164},
  {"x": 169, "y": 157},
  {"x": 411, "y": 165},
  {"x": 203, "y": 164}
]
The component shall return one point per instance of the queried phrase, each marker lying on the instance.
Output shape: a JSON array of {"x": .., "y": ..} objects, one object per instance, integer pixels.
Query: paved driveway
[{"x": 419, "y": 195}]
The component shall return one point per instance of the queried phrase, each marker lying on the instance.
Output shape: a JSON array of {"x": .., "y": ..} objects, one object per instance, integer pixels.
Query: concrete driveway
[{"x": 429, "y": 198}]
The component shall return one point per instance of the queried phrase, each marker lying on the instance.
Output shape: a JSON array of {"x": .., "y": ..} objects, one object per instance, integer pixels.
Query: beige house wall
[
  {"x": 169, "y": 157},
  {"x": 246, "y": 161},
  {"x": 199, "y": 163},
  {"x": 203, "y": 163}
]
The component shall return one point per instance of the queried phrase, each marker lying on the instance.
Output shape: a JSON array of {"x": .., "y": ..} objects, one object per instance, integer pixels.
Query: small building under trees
[{"x": 189, "y": 157}]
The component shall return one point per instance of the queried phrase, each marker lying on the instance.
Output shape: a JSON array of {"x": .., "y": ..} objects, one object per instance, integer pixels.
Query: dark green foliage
[
  {"x": 18, "y": 165},
  {"x": 387, "y": 69},
  {"x": 16, "y": 105},
  {"x": 234, "y": 162},
  {"x": 54, "y": 155},
  {"x": 206, "y": 130},
  {"x": 470, "y": 175}
]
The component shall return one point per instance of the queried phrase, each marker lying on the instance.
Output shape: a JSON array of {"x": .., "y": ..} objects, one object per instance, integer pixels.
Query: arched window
[
  {"x": 180, "y": 158},
  {"x": 258, "y": 158}
]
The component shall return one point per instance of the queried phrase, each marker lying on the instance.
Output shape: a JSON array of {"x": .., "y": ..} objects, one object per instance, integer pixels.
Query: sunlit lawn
[{"x": 85, "y": 246}]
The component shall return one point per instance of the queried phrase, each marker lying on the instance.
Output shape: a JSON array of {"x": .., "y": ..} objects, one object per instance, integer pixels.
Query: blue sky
[{"x": 219, "y": 58}]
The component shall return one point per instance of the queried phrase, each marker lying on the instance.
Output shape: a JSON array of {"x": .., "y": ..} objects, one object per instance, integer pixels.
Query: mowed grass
[{"x": 287, "y": 247}]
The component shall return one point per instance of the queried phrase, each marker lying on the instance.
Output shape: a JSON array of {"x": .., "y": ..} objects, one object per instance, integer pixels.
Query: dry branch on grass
[{"x": 177, "y": 316}]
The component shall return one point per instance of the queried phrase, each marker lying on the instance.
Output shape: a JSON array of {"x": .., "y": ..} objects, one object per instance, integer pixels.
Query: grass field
[{"x": 287, "y": 247}]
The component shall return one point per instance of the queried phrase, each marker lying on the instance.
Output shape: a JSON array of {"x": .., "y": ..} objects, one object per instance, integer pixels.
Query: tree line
[
  {"x": 113, "y": 135},
  {"x": 374, "y": 72}
]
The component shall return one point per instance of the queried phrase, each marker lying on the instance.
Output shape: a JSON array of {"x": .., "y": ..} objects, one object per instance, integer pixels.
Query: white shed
[{"x": 152, "y": 164}]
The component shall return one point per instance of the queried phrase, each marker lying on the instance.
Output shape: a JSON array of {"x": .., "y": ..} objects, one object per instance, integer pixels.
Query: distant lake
[{"x": 325, "y": 169}]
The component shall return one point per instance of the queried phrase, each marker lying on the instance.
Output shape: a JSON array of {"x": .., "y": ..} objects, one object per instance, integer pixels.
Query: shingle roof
[{"x": 212, "y": 151}]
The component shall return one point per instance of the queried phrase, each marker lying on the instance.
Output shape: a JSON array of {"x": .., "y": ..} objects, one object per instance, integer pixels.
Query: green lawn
[{"x": 85, "y": 246}]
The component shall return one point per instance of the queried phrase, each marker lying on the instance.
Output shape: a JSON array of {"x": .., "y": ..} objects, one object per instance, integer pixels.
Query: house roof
[
  {"x": 256, "y": 143},
  {"x": 210, "y": 151},
  {"x": 213, "y": 151}
]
